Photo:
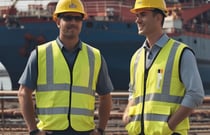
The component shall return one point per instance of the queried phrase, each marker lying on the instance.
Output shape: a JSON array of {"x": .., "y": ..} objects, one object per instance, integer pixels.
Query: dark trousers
[
  {"x": 171, "y": 134},
  {"x": 176, "y": 134},
  {"x": 69, "y": 131}
]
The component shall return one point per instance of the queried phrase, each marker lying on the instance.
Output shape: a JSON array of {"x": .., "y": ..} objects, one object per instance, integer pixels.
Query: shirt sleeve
[
  {"x": 130, "y": 91},
  {"x": 29, "y": 76},
  {"x": 104, "y": 84},
  {"x": 191, "y": 79}
]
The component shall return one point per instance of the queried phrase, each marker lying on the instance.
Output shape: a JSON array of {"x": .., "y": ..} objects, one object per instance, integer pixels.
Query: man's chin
[{"x": 71, "y": 36}]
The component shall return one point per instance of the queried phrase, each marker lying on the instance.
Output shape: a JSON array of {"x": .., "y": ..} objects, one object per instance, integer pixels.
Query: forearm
[
  {"x": 105, "y": 105},
  {"x": 27, "y": 107},
  {"x": 126, "y": 117},
  {"x": 179, "y": 116},
  {"x": 130, "y": 103}
]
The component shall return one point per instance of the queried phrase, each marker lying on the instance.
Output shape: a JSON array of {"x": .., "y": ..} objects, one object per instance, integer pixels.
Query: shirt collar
[
  {"x": 160, "y": 43},
  {"x": 61, "y": 46}
]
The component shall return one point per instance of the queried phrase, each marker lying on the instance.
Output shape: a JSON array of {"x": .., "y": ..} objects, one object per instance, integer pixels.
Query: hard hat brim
[{"x": 134, "y": 11}]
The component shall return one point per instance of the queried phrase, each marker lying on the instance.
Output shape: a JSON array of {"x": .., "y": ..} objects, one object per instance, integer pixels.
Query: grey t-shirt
[{"x": 29, "y": 76}]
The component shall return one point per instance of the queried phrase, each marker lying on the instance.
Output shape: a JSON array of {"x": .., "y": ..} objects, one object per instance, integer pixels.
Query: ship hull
[{"x": 117, "y": 42}]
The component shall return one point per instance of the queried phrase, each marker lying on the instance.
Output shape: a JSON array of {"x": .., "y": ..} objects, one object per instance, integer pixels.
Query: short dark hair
[{"x": 158, "y": 11}]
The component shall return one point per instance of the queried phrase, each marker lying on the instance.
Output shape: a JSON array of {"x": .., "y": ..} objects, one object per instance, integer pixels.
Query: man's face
[
  {"x": 70, "y": 24},
  {"x": 146, "y": 21}
]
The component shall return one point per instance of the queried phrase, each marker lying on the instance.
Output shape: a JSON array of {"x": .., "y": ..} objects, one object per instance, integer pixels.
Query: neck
[
  {"x": 69, "y": 43},
  {"x": 153, "y": 38}
]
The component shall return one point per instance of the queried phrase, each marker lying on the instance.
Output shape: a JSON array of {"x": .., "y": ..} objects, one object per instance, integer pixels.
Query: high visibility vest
[
  {"x": 164, "y": 91},
  {"x": 63, "y": 97}
]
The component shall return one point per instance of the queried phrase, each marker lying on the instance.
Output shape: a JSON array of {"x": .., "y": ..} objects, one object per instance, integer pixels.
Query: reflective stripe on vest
[
  {"x": 161, "y": 102},
  {"x": 53, "y": 92},
  {"x": 164, "y": 96}
]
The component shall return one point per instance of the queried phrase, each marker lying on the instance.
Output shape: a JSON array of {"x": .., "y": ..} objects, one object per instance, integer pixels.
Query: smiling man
[
  {"x": 65, "y": 74},
  {"x": 163, "y": 89}
]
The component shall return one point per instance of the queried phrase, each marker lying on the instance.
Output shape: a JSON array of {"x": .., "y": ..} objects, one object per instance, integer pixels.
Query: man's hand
[
  {"x": 95, "y": 132},
  {"x": 126, "y": 118}
]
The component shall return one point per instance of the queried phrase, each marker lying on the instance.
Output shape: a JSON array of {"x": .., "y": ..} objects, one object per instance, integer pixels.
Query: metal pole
[
  {"x": 193, "y": 3},
  {"x": 2, "y": 109}
]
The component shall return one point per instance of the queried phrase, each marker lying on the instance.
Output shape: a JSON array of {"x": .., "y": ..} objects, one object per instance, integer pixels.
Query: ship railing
[
  {"x": 12, "y": 120},
  {"x": 21, "y": 14},
  {"x": 33, "y": 10},
  {"x": 106, "y": 8},
  {"x": 203, "y": 28},
  {"x": 34, "y": 13},
  {"x": 174, "y": 25},
  {"x": 186, "y": 4}
]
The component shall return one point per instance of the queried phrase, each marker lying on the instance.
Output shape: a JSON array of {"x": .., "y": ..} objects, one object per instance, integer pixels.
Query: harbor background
[{"x": 111, "y": 29}]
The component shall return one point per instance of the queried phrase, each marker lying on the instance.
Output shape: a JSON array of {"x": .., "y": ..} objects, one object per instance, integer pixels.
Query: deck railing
[
  {"x": 12, "y": 121},
  {"x": 109, "y": 9}
]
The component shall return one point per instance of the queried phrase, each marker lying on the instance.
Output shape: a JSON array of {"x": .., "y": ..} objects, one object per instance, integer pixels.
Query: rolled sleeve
[
  {"x": 192, "y": 81},
  {"x": 130, "y": 91},
  {"x": 192, "y": 100}
]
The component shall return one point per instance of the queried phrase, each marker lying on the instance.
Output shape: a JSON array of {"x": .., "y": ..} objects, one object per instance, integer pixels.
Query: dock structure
[{"x": 12, "y": 121}]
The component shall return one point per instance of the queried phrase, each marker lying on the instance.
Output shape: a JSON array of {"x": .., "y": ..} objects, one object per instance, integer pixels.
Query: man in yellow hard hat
[
  {"x": 163, "y": 89},
  {"x": 65, "y": 74}
]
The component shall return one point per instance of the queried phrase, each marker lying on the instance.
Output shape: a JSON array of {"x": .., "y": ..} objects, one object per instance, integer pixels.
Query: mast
[
  {"x": 12, "y": 10},
  {"x": 193, "y": 3}
]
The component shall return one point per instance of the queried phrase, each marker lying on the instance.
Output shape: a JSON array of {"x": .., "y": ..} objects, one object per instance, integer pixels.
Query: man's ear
[{"x": 57, "y": 22}]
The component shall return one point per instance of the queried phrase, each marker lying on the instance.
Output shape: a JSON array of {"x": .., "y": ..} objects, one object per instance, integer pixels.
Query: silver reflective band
[
  {"x": 150, "y": 117},
  {"x": 64, "y": 110},
  {"x": 159, "y": 97},
  {"x": 165, "y": 95},
  {"x": 49, "y": 86},
  {"x": 57, "y": 87}
]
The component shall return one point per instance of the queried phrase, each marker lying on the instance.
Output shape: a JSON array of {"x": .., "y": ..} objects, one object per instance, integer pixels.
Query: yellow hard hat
[
  {"x": 141, "y": 4},
  {"x": 69, "y": 6}
]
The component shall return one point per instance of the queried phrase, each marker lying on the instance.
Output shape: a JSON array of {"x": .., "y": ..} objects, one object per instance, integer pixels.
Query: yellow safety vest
[
  {"x": 66, "y": 98},
  {"x": 164, "y": 91}
]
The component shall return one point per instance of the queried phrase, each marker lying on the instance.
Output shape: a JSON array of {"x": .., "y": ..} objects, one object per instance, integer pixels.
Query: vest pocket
[
  {"x": 156, "y": 120},
  {"x": 133, "y": 128}
]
